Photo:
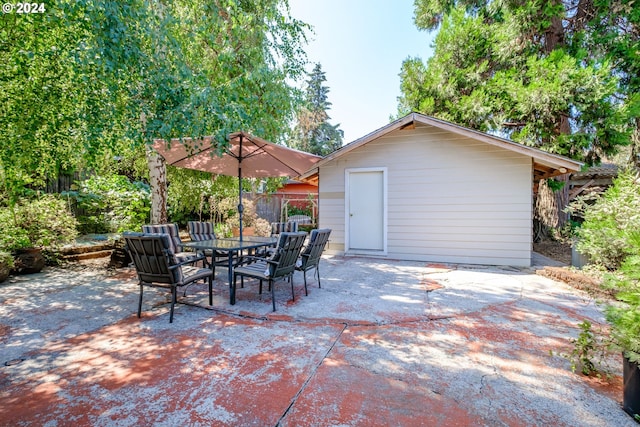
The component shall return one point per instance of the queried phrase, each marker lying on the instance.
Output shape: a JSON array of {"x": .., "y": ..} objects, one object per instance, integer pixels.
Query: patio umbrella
[{"x": 246, "y": 156}]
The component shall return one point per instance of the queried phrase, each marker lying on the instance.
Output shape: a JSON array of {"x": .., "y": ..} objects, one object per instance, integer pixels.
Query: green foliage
[
  {"x": 195, "y": 194},
  {"x": 295, "y": 210},
  {"x": 624, "y": 316},
  {"x": 583, "y": 352},
  {"x": 112, "y": 204},
  {"x": 201, "y": 196},
  {"x": 6, "y": 260},
  {"x": 228, "y": 218},
  {"x": 590, "y": 353},
  {"x": 610, "y": 224},
  {"x": 306, "y": 227},
  {"x": 42, "y": 222},
  {"x": 90, "y": 79},
  {"x": 12, "y": 235},
  {"x": 530, "y": 71},
  {"x": 577, "y": 209},
  {"x": 555, "y": 185},
  {"x": 313, "y": 133},
  {"x": 222, "y": 230}
]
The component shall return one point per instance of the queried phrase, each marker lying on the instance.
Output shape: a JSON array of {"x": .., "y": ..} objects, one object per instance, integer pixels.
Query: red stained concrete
[
  {"x": 372, "y": 347},
  {"x": 136, "y": 376},
  {"x": 341, "y": 394}
]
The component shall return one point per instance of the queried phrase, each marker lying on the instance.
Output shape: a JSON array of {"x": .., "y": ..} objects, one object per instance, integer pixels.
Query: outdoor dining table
[{"x": 232, "y": 246}]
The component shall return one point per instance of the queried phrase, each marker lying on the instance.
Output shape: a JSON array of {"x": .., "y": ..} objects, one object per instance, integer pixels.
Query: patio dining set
[{"x": 162, "y": 259}]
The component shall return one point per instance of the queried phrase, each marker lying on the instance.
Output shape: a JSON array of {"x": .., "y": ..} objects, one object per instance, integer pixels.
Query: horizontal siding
[
  {"x": 331, "y": 215},
  {"x": 449, "y": 198},
  {"x": 508, "y": 237},
  {"x": 416, "y": 217},
  {"x": 516, "y": 260}
]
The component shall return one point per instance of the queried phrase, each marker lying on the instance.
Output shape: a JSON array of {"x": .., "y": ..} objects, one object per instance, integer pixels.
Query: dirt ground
[
  {"x": 555, "y": 250},
  {"x": 586, "y": 280}
]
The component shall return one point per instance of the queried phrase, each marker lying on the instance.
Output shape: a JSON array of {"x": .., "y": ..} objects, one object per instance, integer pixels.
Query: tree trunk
[
  {"x": 554, "y": 36},
  {"x": 562, "y": 200},
  {"x": 545, "y": 215},
  {"x": 552, "y": 203},
  {"x": 549, "y": 208},
  {"x": 158, "y": 182},
  {"x": 635, "y": 146}
]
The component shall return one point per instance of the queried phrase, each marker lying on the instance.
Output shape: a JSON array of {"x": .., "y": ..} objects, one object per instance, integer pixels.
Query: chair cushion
[
  {"x": 173, "y": 258},
  {"x": 259, "y": 270},
  {"x": 191, "y": 273},
  {"x": 170, "y": 229},
  {"x": 201, "y": 230},
  {"x": 283, "y": 227}
]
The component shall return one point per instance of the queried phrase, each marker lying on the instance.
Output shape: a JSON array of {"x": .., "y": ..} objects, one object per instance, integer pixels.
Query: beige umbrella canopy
[{"x": 246, "y": 156}]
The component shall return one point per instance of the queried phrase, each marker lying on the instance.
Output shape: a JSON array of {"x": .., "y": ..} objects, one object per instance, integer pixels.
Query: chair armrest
[
  {"x": 184, "y": 248},
  {"x": 251, "y": 259},
  {"x": 188, "y": 261}
]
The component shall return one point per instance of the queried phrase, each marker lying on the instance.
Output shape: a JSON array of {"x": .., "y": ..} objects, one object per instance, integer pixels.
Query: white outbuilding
[{"x": 424, "y": 189}]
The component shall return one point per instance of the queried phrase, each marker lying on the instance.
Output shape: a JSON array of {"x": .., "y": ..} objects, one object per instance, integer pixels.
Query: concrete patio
[{"x": 381, "y": 343}]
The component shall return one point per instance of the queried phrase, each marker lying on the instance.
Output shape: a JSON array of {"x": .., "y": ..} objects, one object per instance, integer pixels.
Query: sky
[{"x": 361, "y": 45}]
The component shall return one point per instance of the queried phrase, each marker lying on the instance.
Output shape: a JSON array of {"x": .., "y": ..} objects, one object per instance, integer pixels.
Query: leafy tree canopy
[
  {"x": 90, "y": 78},
  {"x": 546, "y": 74}
]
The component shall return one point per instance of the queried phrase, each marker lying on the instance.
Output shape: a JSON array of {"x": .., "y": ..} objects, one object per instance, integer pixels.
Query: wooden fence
[{"x": 62, "y": 183}]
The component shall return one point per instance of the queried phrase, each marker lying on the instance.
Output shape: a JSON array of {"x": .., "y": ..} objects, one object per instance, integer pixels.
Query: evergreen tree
[
  {"x": 611, "y": 30},
  {"x": 515, "y": 68},
  {"x": 313, "y": 132},
  {"x": 558, "y": 75}
]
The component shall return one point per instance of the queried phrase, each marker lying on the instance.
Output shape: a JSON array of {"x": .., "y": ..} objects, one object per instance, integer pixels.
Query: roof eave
[{"x": 559, "y": 163}]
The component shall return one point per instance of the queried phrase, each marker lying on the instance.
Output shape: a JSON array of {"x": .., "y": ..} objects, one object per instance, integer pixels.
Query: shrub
[
  {"x": 589, "y": 351},
  {"x": 112, "y": 204},
  {"x": 262, "y": 227},
  {"x": 6, "y": 260},
  {"x": 43, "y": 222},
  {"x": 298, "y": 210},
  {"x": 250, "y": 218},
  {"x": 6, "y": 265},
  {"x": 195, "y": 195},
  {"x": 12, "y": 236},
  {"x": 624, "y": 316},
  {"x": 249, "y": 215},
  {"x": 605, "y": 234}
]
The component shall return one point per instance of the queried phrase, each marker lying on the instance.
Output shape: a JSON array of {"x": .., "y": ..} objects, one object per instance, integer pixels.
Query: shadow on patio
[{"x": 381, "y": 343}]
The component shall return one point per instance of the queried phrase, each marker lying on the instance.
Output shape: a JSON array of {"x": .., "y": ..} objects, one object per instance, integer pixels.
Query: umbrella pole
[{"x": 240, "y": 207}]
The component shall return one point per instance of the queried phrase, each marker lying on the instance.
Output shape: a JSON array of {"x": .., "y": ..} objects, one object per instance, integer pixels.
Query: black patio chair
[
  {"x": 175, "y": 243},
  {"x": 281, "y": 264},
  {"x": 199, "y": 231},
  {"x": 157, "y": 266},
  {"x": 310, "y": 256},
  {"x": 278, "y": 228},
  {"x": 283, "y": 227}
]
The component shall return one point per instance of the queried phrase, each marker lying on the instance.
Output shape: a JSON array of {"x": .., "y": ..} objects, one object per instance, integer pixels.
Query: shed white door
[{"x": 365, "y": 210}]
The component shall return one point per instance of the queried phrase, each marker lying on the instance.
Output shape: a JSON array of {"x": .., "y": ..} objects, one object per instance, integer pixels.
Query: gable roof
[{"x": 546, "y": 165}]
